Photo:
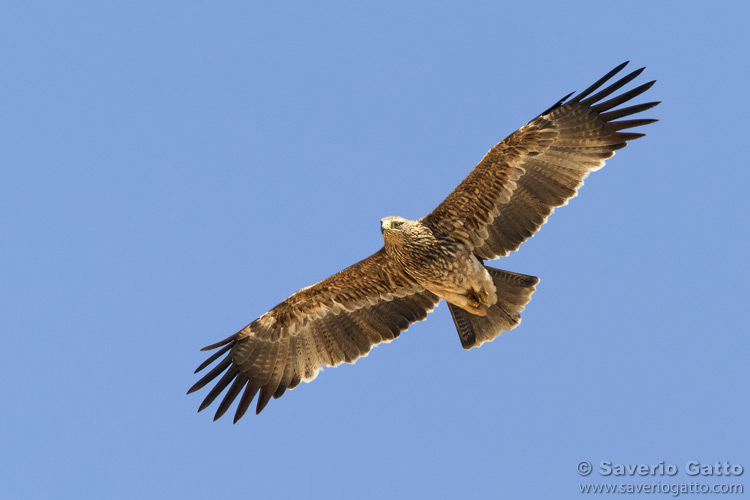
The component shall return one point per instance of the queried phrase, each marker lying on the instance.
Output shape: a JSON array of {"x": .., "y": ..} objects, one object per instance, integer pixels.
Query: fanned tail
[{"x": 513, "y": 293}]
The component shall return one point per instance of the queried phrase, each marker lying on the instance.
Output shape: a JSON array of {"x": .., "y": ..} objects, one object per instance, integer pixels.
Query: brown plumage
[{"x": 502, "y": 202}]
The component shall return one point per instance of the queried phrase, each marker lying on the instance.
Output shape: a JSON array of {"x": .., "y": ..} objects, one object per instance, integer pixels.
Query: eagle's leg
[{"x": 476, "y": 302}]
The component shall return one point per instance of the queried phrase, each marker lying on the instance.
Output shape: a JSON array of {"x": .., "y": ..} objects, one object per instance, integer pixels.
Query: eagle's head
[
  {"x": 398, "y": 231},
  {"x": 392, "y": 224}
]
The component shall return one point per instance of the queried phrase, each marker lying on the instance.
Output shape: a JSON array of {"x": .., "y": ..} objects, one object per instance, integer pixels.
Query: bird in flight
[{"x": 503, "y": 202}]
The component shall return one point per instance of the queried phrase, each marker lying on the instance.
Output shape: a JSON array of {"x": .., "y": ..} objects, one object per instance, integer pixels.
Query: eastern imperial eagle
[{"x": 502, "y": 202}]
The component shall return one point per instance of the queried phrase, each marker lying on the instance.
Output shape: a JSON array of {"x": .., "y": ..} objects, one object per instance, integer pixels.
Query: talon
[
  {"x": 477, "y": 299},
  {"x": 477, "y": 302}
]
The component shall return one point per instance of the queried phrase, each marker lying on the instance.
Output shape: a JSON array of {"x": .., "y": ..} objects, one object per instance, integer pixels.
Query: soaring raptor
[{"x": 502, "y": 202}]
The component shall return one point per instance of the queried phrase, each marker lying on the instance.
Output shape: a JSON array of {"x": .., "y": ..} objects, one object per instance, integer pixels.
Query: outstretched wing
[
  {"x": 336, "y": 320},
  {"x": 521, "y": 180}
]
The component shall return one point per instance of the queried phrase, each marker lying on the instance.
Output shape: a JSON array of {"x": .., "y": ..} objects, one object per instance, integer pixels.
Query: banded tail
[{"x": 513, "y": 293}]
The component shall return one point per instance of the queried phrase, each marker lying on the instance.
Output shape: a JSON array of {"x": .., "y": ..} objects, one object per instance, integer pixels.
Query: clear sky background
[{"x": 171, "y": 170}]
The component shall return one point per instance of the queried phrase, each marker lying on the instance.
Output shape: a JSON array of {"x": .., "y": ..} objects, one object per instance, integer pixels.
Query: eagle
[{"x": 503, "y": 201}]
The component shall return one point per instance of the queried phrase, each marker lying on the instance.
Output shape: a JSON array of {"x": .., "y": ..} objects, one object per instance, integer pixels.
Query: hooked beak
[{"x": 384, "y": 226}]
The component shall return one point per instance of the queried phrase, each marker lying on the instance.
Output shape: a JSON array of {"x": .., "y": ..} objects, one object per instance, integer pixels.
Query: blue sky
[{"x": 171, "y": 170}]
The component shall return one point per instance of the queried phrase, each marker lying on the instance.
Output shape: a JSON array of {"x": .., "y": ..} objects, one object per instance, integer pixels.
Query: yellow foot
[
  {"x": 478, "y": 298},
  {"x": 478, "y": 301}
]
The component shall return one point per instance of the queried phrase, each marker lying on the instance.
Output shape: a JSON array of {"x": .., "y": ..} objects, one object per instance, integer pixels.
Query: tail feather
[{"x": 513, "y": 293}]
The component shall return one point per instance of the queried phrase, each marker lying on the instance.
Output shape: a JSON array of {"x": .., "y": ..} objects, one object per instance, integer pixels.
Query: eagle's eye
[{"x": 396, "y": 224}]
